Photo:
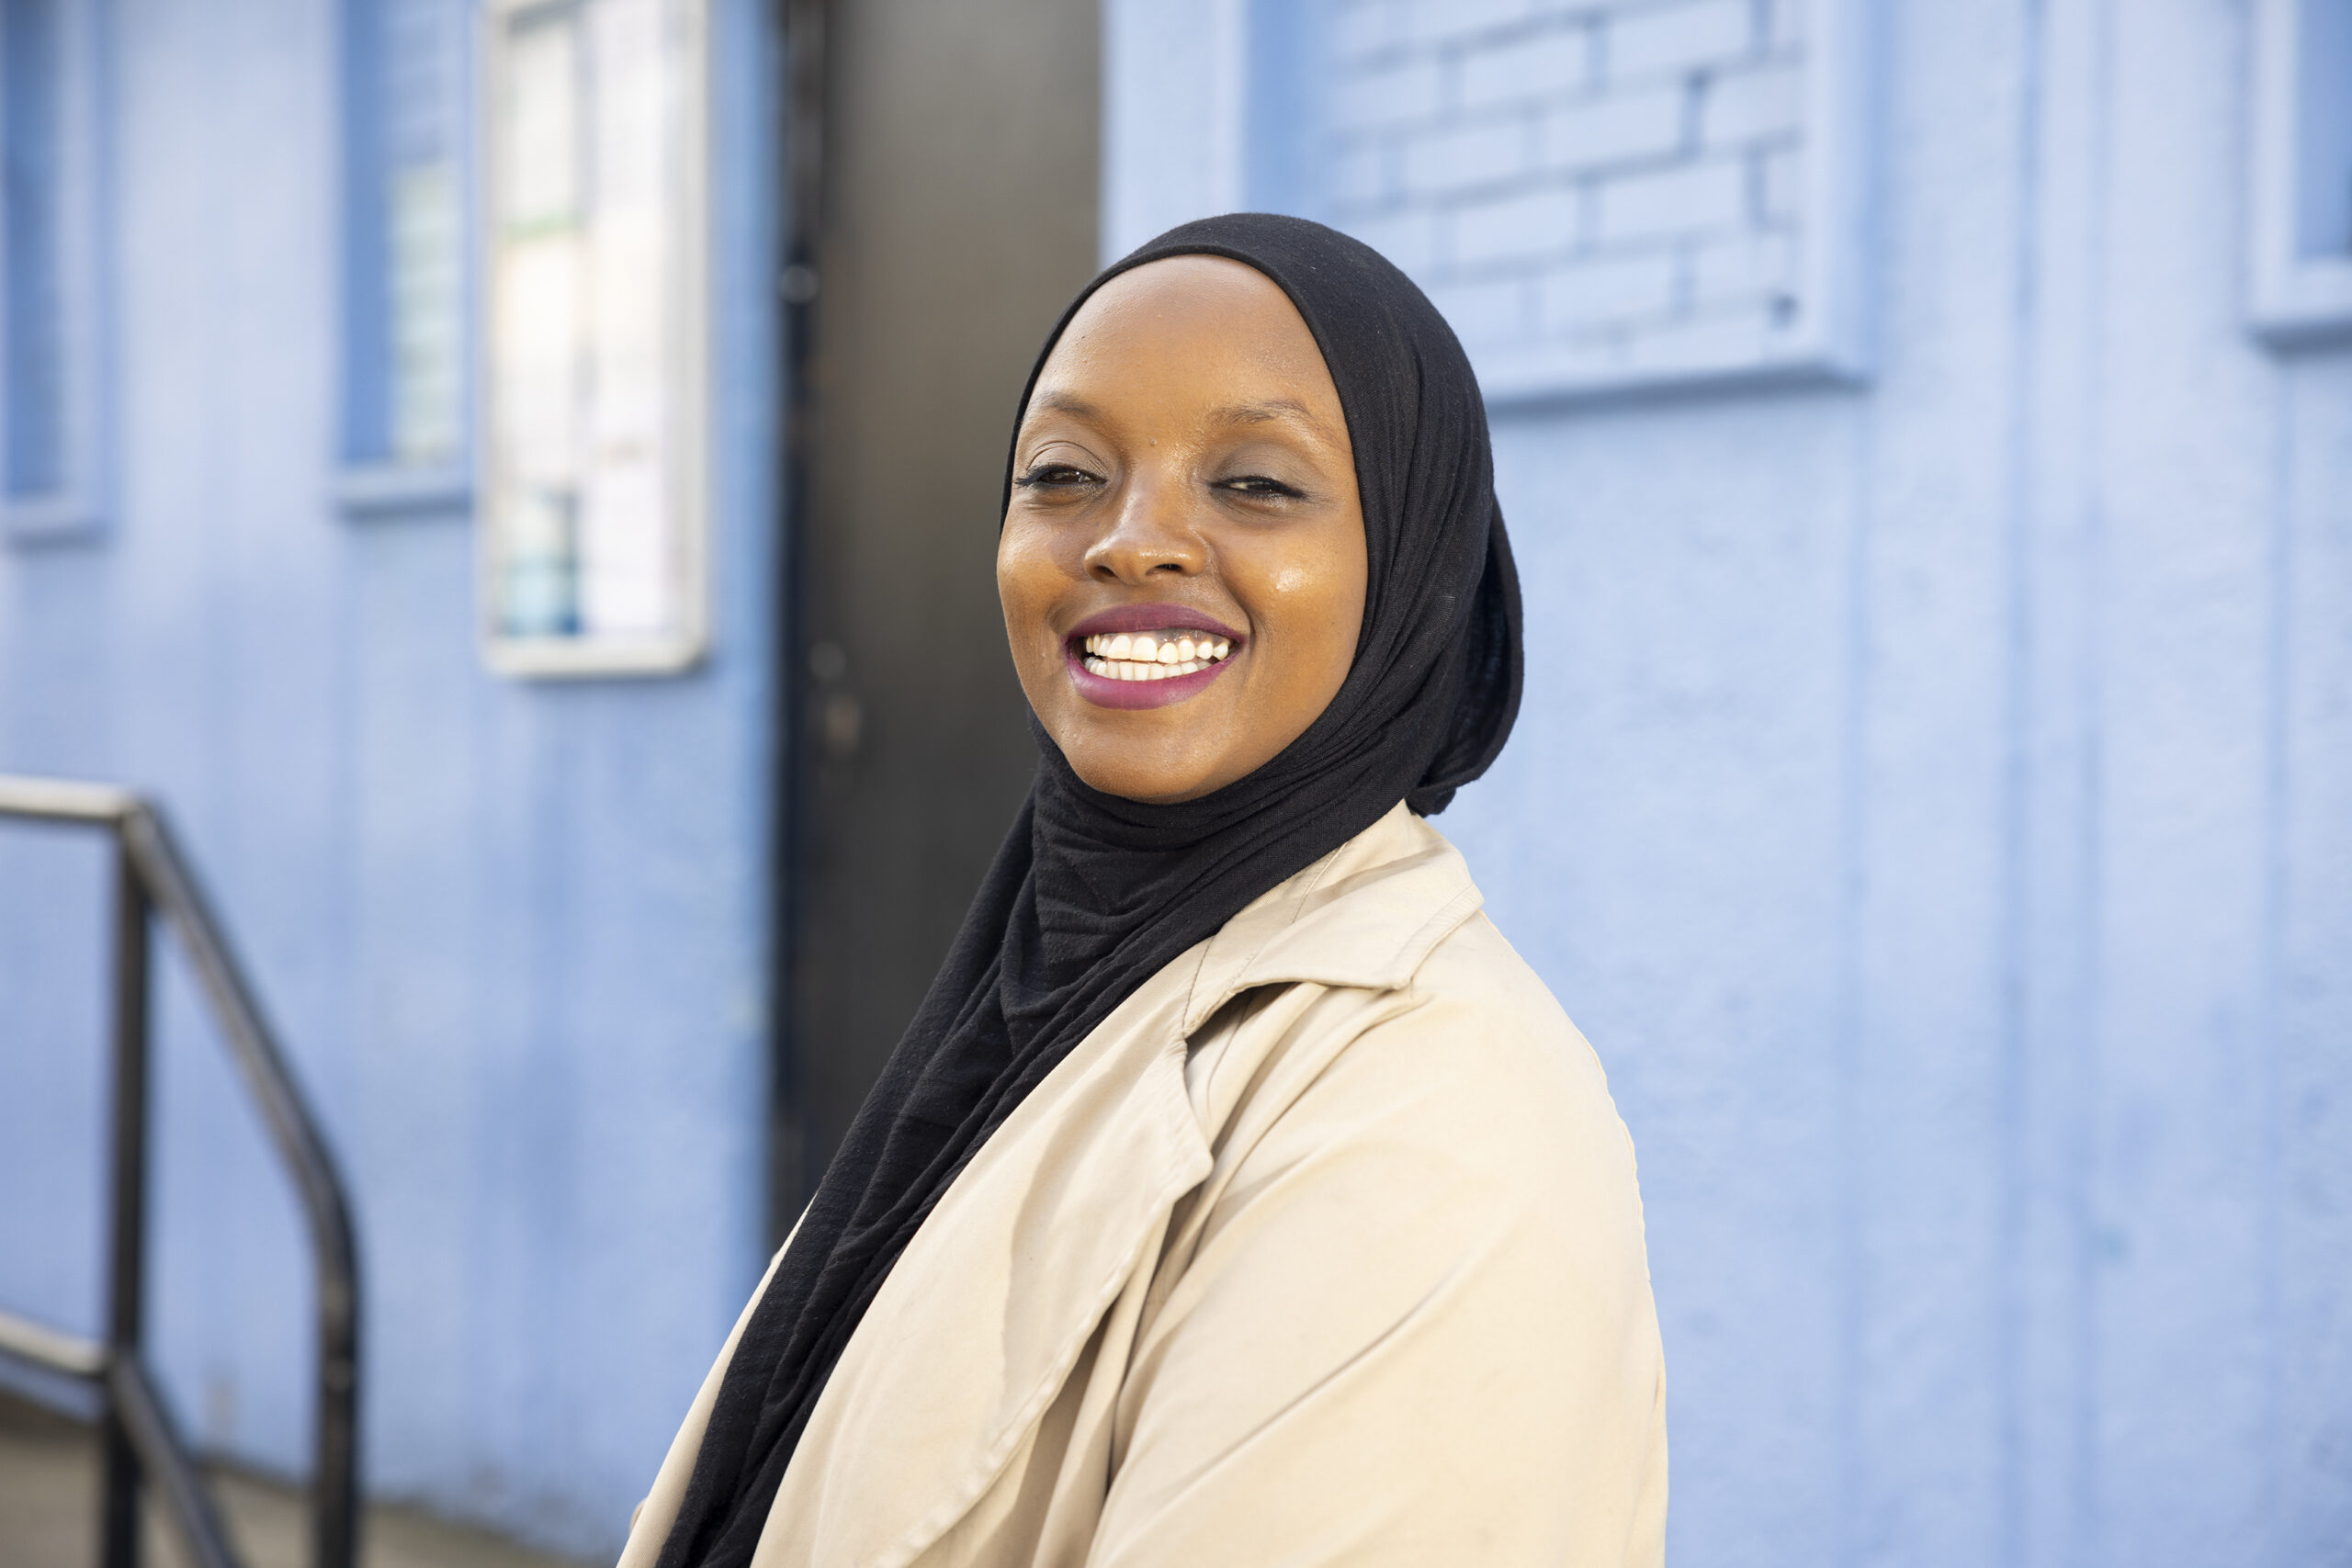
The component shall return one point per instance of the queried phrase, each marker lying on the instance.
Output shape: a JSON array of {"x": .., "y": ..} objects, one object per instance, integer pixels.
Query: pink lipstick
[{"x": 1147, "y": 656}]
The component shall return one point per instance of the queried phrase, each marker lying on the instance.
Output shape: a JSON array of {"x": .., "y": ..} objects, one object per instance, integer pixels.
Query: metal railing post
[
  {"x": 127, "y": 1236},
  {"x": 179, "y": 900},
  {"x": 141, "y": 1445}
]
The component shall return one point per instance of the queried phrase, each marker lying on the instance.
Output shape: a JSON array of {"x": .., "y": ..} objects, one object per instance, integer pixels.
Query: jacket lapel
[{"x": 980, "y": 1321}]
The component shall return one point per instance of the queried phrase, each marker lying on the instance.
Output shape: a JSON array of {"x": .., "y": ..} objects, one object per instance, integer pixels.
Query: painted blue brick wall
[
  {"x": 1933, "y": 796},
  {"x": 514, "y": 934},
  {"x": 1608, "y": 189}
]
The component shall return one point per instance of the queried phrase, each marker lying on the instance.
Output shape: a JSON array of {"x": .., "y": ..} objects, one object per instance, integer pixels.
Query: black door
[{"x": 951, "y": 202}]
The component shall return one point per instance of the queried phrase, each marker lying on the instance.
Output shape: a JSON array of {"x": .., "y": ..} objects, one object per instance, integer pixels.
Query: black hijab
[{"x": 1091, "y": 894}]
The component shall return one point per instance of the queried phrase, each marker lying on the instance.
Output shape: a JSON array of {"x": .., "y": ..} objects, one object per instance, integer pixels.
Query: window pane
[
  {"x": 34, "y": 320},
  {"x": 421, "y": 226},
  {"x": 406, "y": 357},
  {"x": 2324, "y": 150}
]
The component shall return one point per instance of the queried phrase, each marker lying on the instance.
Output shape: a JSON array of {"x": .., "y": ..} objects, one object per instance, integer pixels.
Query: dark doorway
[{"x": 951, "y": 202}]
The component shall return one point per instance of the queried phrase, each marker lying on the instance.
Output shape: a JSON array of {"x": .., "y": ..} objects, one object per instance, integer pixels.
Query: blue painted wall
[
  {"x": 514, "y": 934},
  {"x": 1934, "y": 798}
]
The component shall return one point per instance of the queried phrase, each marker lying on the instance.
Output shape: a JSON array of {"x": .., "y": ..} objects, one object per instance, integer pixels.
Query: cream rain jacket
[{"x": 1323, "y": 1248}]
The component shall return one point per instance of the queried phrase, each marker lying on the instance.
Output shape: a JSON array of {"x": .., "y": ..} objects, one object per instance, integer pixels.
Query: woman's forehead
[{"x": 1207, "y": 326}]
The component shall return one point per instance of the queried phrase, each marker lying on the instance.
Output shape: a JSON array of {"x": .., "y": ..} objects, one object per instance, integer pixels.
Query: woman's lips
[
  {"x": 1110, "y": 692},
  {"x": 1130, "y": 640}
]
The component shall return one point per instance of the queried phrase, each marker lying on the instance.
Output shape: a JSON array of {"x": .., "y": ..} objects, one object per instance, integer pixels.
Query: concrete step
[{"x": 49, "y": 1502}]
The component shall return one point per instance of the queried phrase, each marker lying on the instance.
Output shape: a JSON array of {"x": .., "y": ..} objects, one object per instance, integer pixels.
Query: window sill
[
  {"x": 381, "y": 492},
  {"x": 52, "y": 520},
  {"x": 2304, "y": 302}
]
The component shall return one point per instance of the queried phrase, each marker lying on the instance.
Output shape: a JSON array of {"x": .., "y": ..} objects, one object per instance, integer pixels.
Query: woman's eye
[
  {"x": 1259, "y": 484},
  {"x": 1055, "y": 475}
]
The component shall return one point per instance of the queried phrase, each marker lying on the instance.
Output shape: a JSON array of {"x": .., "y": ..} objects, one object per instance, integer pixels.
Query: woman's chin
[
  {"x": 1143, "y": 792},
  {"x": 1151, "y": 780}
]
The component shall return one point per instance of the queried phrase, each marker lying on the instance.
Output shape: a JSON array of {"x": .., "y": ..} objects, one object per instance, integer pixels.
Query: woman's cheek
[{"x": 1025, "y": 585}]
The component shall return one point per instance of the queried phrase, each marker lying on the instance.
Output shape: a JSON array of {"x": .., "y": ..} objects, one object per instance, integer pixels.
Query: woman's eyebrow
[{"x": 1286, "y": 410}]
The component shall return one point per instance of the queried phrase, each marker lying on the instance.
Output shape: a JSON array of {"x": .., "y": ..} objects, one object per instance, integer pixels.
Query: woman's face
[{"x": 1182, "y": 563}]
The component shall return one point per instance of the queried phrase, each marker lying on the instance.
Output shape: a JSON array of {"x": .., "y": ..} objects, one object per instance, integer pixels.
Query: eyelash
[
  {"x": 1049, "y": 474},
  {"x": 1056, "y": 475},
  {"x": 1248, "y": 484}
]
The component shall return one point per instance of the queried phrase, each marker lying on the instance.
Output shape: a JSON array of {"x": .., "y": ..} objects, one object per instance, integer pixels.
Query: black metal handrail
[{"x": 139, "y": 1440}]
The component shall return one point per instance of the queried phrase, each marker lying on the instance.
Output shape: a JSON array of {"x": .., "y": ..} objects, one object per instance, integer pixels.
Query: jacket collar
[{"x": 1365, "y": 915}]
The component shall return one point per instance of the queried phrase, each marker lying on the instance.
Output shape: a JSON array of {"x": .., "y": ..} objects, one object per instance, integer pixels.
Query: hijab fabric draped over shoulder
[{"x": 1091, "y": 894}]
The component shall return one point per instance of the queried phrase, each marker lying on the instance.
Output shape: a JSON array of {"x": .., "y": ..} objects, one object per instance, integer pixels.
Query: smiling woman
[
  {"x": 1237, "y": 1195},
  {"x": 1183, "y": 475}
]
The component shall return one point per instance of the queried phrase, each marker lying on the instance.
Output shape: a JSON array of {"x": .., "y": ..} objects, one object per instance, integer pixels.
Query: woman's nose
[{"x": 1152, "y": 532}]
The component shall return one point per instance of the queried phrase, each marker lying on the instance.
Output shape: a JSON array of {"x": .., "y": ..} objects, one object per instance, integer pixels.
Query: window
[
  {"x": 51, "y": 337},
  {"x": 593, "y": 527},
  {"x": 405, "y": 415},
  {"x": 2300, "y": 242}
]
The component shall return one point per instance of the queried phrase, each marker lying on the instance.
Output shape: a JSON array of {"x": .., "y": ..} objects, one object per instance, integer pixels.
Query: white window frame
[{"x": 685, "y": 478}]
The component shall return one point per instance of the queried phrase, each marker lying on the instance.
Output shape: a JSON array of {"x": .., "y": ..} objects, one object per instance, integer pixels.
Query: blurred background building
[{"x": 516, "y": 479}]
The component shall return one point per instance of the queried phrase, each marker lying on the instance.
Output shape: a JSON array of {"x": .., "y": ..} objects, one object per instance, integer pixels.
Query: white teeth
[
  {"x": 1135, "y": 670},
  {"x": 1148, "y": 656},
  {"x": 1174, "y": 652}
]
